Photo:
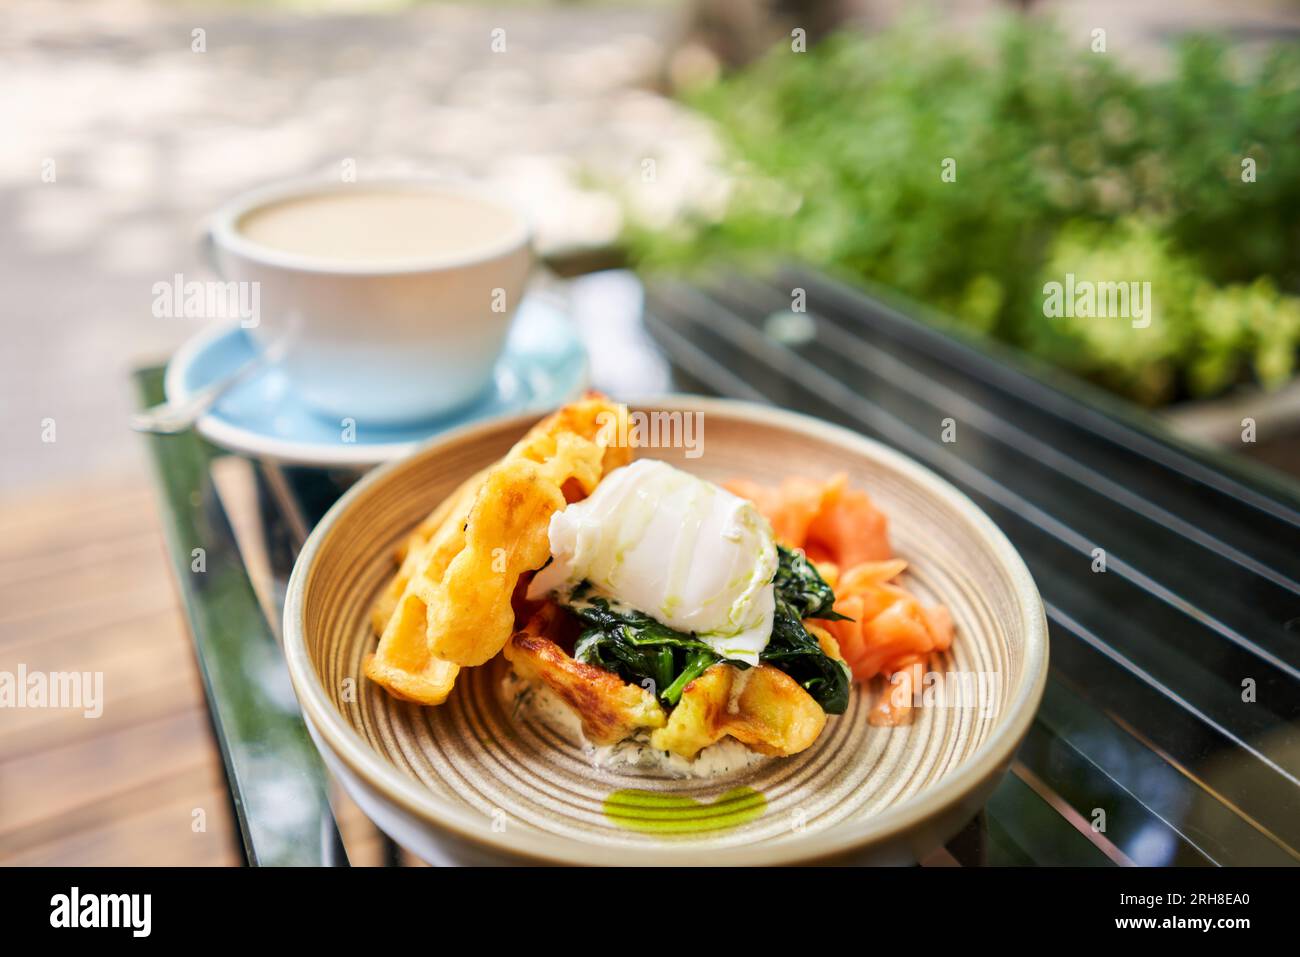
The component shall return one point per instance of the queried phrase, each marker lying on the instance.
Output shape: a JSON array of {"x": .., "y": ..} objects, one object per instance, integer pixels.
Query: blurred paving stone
[{"x": 147, "y": 136}]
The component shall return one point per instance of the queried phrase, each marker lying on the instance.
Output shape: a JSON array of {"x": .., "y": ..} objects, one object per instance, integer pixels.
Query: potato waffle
[{"x": 449, "y": 605}]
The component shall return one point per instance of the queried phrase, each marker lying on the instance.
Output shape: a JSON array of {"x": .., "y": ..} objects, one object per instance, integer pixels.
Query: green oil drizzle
[{"x": 657, "y": 813}]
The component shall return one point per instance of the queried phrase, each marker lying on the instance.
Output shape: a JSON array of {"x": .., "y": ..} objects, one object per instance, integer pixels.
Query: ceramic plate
[
  {"x": 543, "y": 365},
  {"x": 464, "y": 782}
]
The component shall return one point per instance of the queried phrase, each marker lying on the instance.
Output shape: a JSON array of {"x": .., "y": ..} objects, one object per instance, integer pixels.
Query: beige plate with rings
[{"x": 466, "y": 782}]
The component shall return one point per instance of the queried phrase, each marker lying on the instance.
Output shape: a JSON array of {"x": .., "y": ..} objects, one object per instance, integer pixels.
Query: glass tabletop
[{"x": 1168, "y": 732}]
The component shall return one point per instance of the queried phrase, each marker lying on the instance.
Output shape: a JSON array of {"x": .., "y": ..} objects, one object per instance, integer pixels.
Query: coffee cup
[{"x": 385, "y": 302}]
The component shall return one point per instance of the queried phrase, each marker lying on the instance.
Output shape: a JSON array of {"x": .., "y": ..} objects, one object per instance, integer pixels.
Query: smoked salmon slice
[{"x": 841, "y": 530}]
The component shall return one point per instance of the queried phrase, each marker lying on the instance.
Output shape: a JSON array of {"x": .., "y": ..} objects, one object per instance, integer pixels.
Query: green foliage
[
  {"x": 640, "y": 649},
  {"x": 1065, "y": 162},
  {"x": 1201, "y": 339},
  {"x": 793, "y": 650},
  {"x": 801, "y": 586}
]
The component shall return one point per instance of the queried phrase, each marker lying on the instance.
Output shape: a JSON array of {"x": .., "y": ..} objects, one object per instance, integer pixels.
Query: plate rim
[
  {"x": 236, "y": 438},
  {"x": 990, "y": 759}
]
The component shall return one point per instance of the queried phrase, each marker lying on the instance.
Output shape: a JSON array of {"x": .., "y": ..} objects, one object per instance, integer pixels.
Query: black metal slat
[
  {"x": 1160, "y": 493},
  {"x": 1156, "y": 492},
  {"x": 1002, "y": 850},
  {"x": 1094, "y": 763},
  {"x": 1253, "y": 601},
  {"x": 1163, "y": 714},
  {"x": 1021, "y": 817},
  {"x": 1132, "y": 827},
  {"x": 314, "y": 490},
  {"x": 1042, "y": 388}
]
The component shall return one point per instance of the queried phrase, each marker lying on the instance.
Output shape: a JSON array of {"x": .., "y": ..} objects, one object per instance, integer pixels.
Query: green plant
[
  {"x": 1196, "y": 335},
  {"x": 967, "y": 174},
  {"x": 637, "y": 648}
]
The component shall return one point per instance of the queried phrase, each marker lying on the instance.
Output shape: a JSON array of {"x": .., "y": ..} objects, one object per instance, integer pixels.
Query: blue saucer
[{"x": 543, "y": 365}]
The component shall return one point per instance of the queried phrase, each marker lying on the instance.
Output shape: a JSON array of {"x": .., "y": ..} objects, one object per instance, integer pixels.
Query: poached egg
[{"x": 684, "y": 551}]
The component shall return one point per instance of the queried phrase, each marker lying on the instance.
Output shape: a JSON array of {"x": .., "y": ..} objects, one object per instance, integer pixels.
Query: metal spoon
[{"x": 168, "y": 418}]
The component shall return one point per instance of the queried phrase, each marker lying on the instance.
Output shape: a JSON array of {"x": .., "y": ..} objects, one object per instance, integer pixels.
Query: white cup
[{"x": 386, "y": 342}]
